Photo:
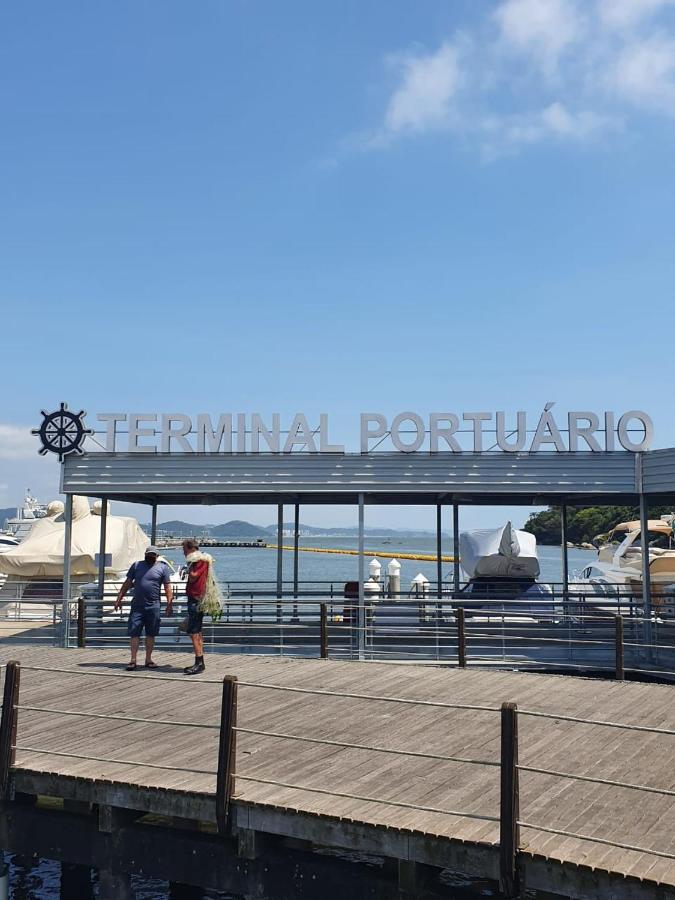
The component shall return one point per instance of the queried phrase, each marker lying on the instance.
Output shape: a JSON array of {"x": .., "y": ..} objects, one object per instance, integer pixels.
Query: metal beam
[
  {"x": 455, "y": 546},
  {"x": 280, "y": 552},
  {"x": 296, "y": 537},
  {"x": 361, "y": 619},
  {"x": 153, "y": 527},
  {"x": 101, "y": 546},
  {"x": 646, "y": 575},
  {"x": 439, "y": 550},
  {"x": 67, "y": 552},
  {"x": 563, "y": 549}
]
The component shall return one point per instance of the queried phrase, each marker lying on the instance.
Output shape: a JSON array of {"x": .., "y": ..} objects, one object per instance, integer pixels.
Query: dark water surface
[{"x": 43, "y": 879}]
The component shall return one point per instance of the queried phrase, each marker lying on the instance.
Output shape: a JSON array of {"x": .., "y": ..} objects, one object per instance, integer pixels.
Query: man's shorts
[
  {"x": 147, "y": 617},
  {"x": 195, "y": 619}
]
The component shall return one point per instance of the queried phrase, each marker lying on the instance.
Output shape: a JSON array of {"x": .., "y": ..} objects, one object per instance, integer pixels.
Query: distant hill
[
  {"x": 351, "y": 531},
  {"x": 176, "y": 528},
  {"x": 237, "y": 528}
]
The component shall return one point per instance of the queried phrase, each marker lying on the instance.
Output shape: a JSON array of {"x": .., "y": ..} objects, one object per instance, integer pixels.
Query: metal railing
[
  {"x": 229, "y": 775},
  {"x": 563, "y": 631}
]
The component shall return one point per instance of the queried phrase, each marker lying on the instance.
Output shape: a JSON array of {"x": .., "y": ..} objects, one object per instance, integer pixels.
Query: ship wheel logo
[{"x": 62, "y": 432}]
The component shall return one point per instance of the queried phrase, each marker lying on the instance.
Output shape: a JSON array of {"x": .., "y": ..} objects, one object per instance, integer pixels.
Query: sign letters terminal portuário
[{"x": 63, "y": 432}]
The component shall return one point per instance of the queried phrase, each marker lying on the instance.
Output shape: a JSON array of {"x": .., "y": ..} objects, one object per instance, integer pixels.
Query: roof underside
[{"x": 387, "y": 478}]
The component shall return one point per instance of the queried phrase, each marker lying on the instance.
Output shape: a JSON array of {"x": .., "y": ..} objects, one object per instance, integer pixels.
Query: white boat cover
[
  {"x": 40, "y": 555},
  {"x": 499, "y": 552}
]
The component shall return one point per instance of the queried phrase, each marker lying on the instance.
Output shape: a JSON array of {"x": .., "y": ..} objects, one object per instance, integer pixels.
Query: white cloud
[
  {"x": 644, "y": 74},
  {"x": 629, "y": 13},
  {"x": 16, "y": 442},
  {"x": 428, "y": 85},
  {"x": 544, "y": 29},
  {"x": 552, "y": 70},
  {"x": 504, "y": 134}
]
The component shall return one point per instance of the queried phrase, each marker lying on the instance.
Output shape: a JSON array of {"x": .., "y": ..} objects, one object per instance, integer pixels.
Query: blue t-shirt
[{"x": 148, "y": 581}]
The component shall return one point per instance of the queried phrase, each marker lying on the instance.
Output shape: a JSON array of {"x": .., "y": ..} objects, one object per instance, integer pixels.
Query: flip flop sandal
[
  {"x": 151, "y": 665},
  {"x": 132, "y": 667}
]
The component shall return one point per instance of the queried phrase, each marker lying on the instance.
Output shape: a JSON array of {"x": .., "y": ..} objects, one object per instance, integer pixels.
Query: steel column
[
  {"x": 455, "y": 545},
  {"x": 280, "y": 552},
  {"x": 101, "y": 546},
  {"x": 361, "y": 619},
  {"x": 67, "y": 551},
  {"x": 296, "y": 537},
  {"x": 439, "y": 550},
  {"x": 646, "y": 575},
  {"x": 153, "y": 527},
  {"x": 563, "y": 548}
]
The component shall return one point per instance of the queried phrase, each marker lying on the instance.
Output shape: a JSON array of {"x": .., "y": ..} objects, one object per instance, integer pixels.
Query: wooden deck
[{"x": 426, "y": 789}]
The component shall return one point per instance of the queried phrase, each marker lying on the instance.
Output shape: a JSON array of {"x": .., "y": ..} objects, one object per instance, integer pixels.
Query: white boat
[
  {"x": 33, "y": 569},
  {"x": 502, "y": 567},
  {"x": 19, "y": 526},
  {"x": 616, "y": 575}
]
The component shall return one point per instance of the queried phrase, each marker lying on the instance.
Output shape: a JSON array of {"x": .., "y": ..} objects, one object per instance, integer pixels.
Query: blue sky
[{"x": 255, "y": 206}]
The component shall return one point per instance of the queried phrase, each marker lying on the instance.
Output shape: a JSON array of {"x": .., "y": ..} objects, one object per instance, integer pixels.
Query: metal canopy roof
[{"x": 388, "y": 478}]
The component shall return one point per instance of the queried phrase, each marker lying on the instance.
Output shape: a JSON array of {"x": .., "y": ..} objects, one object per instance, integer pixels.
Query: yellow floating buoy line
[{"x": 421, "y": 557}]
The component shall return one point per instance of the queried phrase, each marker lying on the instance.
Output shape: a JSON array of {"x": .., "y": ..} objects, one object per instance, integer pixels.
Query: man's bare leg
[
  {"x": 149, "y": 647},
  {"x": 198, "y": 643},
  {"x": 134, "y": 649}
]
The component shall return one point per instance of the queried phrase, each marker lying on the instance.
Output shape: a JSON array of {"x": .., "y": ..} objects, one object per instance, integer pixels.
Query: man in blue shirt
[{"x": 146, "y": 577}]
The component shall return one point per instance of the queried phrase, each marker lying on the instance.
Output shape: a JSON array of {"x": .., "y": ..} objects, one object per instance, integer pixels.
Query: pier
[{"x": 542, "y": 782}]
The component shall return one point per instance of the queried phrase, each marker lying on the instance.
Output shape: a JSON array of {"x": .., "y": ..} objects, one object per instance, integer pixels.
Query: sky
[{"x": 249, "y": 206}]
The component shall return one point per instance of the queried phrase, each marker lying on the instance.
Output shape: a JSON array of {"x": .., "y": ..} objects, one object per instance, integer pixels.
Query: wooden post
[
  {"x": 324, "y": 632},
  {"x": 618, "y": 644},
  {"x": 226, "y": 753},
  {"x": 461, "y": 637},
  {"x": 8, "y": 723},
  {"x": 81, "y": 622},
  {"x": 509, "y": 837}
]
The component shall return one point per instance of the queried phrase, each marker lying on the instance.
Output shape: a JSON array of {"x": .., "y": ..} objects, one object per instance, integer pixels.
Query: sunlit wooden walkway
[{"x": 311, "y": 761}]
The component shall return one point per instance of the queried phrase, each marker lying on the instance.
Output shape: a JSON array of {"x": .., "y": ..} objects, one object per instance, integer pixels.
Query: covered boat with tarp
[{"x": 502, "y": 566}]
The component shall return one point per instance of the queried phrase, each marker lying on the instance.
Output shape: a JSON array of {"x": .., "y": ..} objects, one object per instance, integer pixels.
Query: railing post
[
  {"x": 324, "y": 632},
  {"x": 81, "y": 622},
  {"x": 618, "y": 645},
  {"x": 8, "y": 725},
  {"x": 226, "y": 753},
  {"x": 509, "y": 837},
  {"x": 461, "y": 637}
]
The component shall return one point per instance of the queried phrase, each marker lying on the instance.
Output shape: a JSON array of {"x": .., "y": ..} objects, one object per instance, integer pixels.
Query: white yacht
[
  {"x": 19, "y": 526},
  {"x": 617, "y": 572}
]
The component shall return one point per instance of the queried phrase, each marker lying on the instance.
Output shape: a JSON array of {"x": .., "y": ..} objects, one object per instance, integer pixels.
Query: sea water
[{"x": 244, "y": 564}]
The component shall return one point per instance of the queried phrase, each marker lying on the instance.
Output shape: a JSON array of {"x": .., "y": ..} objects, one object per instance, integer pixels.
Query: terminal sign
[
  {"x": 64, "y": 432},
  {"x": 407, "y": 432}
]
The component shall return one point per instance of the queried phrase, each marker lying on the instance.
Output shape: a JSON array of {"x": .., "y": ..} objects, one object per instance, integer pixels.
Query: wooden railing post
[
  {"x": 226, "y": 753},
  {"x": 81, "y": 622},
  {"x": 618, "y": 645},
  {"x": 461, "y": 637},
  {"x": 324, "y": 631},
  {"x": 8, "y": 725},
  {"x": 509, "y": 836}
]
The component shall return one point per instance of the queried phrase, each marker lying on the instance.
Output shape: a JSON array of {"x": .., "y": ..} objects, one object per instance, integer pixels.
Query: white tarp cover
[
  {"x": 40, "y": 555},
  {"x": 499, "y": 552}
]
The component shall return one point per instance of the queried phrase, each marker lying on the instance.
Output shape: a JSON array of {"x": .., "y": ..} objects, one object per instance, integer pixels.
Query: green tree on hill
[{"x": 584, "y": 525}]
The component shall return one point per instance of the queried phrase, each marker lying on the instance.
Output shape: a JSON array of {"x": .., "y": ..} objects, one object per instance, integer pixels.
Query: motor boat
[
  {"x": 614, "y": 580},
  {"x": 19, "y": 526},
  {"x": 502, "y": 567}
]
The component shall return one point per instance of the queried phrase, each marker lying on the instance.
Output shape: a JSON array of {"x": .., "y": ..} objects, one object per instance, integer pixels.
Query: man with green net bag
[{"x": 203, "y": 596}]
